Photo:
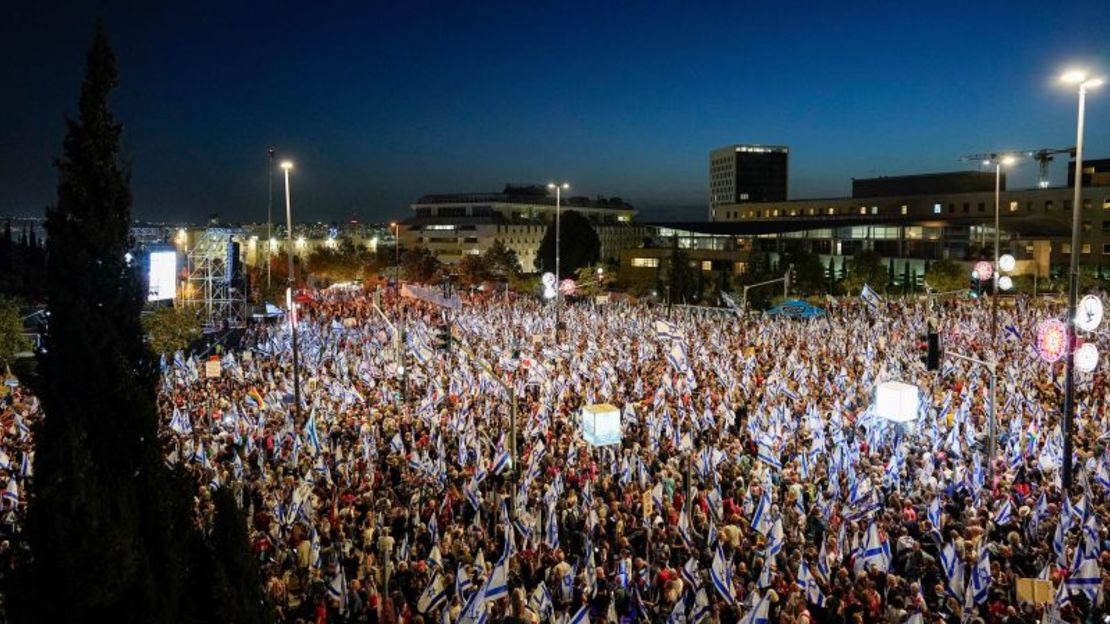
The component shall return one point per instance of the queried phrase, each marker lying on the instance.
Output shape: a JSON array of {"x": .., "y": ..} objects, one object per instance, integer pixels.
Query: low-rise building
[{"x": 459, "y": 224}]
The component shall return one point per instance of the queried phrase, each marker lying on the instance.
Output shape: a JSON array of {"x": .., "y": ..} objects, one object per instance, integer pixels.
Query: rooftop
[{"x": 525, "y": 194}]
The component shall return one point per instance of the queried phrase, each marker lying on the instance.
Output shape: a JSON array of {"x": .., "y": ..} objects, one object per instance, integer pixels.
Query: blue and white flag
[
  {"x": 397, "y": 444},
  {"x": 665, "y": 330},
  {"x": 981, "y": 576},
  {"x": 761, "y": 519},
  {"x": 1087, "y": 580},
  {"x": 498, "y": 584},
  {"x": 870, "y": 297},
  {"x": 1005, "y": 514},
  {"x": 433, "y": 596},
  {"x": 700, "y": 611},
  {"x": 721, "y": 575},
  {"x": 11, "y": 493},
  {"x": 759, "y": 613},
  {"x": 809, "y": 585}
]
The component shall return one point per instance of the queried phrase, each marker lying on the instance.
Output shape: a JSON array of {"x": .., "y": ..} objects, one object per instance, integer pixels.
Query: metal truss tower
[{"x": 211, "y": 284}]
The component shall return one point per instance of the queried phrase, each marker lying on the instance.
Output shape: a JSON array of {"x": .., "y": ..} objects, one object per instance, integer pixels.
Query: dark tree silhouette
[
  {"x": 579, "y": 245},
  {"x": 110, "y": 529}
]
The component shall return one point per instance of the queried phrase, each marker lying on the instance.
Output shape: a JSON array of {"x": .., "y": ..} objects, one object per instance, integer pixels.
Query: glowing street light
[
  {"x": 1082, "y": 79},
  {"x": 286, "y": 166},
  {"x": 558, "y": 188}
]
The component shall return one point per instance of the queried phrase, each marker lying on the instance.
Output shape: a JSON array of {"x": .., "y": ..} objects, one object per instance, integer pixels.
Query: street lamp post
[
  {"x": 270, "y": 222},
  {"x": 559, "y": 188},
  {"x": 286, "y": 166},
  {"x": 998, "y": 162},
  {"x": 1084, "y": 82}
]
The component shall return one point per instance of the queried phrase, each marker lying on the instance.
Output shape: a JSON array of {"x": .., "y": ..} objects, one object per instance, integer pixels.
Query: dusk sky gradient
[{"x": 379, "y": 103}]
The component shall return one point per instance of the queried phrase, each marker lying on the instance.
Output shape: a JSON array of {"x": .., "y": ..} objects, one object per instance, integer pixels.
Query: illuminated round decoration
[
  {"x": 1007, "y": 263},
  {"x": 1086, "y": 357},
  {"x": 1005, "y": 283},
  {"x": 1088, "y": 314},
  {"x": 984, "y": 270},
  {"x": 548, "y": 280},
  {"x": 974, "y": 274},
  {"x": 1052, "y": 340},
  {"x": 548, "y": 292},
  {"x": 568, "y": 287}
]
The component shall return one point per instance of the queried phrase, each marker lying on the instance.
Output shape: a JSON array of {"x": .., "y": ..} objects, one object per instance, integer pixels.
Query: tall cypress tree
[{"x": 110, "y": 529}]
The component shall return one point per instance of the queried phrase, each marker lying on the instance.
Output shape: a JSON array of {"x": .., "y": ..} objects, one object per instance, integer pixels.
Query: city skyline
[{"x": 621, "y": 100}]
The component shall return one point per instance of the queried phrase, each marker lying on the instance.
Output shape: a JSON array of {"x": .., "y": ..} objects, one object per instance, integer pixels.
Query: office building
[
  {"x": 458, "y": 224},
  {"x": 747, "y": 173}
]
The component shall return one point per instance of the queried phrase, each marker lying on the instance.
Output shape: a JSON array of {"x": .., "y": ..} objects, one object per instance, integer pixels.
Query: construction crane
[{"x": 1043, "y": 156}]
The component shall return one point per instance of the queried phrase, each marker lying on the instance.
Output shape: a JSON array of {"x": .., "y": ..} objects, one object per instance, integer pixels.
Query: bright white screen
[
  {"x": 601, "y": 427},
  {"x": 163, "y": 275},
  {"x": 896, "y": 401}
]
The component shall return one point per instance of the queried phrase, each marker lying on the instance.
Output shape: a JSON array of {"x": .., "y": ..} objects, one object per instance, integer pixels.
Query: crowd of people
[{"x": 754, "y": 480}]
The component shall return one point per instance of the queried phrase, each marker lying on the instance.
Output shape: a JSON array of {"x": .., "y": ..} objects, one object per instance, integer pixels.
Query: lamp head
[
  {"x": 286, "y": 165},
  {"x": 1073, "y": 76}
]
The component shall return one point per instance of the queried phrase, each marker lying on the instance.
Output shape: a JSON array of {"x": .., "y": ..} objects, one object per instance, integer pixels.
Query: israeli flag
[
  {"x": 463, "y": 584},
  {"x": 700, "y": 611},
  {"x": 397, "y": 444},
  {"x": 870, "y": 297},
  {"x": 1005, "y": 514},
  {"x": 761, "y": 520},
  {"x": 721, "y": 575},
  {"x": 759, "y": 613},
  {"x": 690, "y": 572},
  {"x": 665, "y": 330},
  {"x": 1086, "y": 580},
  {"x": 678, "y": 613},
  {"x": 11, "y": 493},
  {"x": 581, "y": 617},
  {"x": 767, "y": 453},
  {"x": 776, "y": 540},
  {"x": 677, "y": 357},
  {"x": 498, "y": 584},
  {"x": 875, "y": 551},
  {"x": 312, "y": 433},
  {"x": 540, "y": 602},
  {"x": 981, "y": 576},
  {"x": 433, "y": 596},
  {"x": 809, "y": 584},
  {"x": 953, "y": 571}
]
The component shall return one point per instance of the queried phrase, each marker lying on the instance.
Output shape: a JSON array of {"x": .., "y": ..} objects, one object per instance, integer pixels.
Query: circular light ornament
[
  {"x": 975, "y": 275},
  {"x": 548, "y": 292},
  {"x": 984, "y": 270},
  {"x": 568, "y": 287},
  {"x": 1086, "y": 357},
  {"x": 1005, "y": 283},
  {"x": 548, "y": 280},
  {"x": 1007, "y": 263},
  {"x": 1088, "y": 314},
  {"x": 1052, "y": 340}
]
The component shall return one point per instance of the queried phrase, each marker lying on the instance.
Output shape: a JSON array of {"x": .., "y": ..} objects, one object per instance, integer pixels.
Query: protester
[{"x": 753, "y": 482}]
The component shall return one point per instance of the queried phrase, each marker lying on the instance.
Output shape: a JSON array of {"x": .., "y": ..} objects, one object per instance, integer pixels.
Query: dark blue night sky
[{"x": 378, "y": 103}]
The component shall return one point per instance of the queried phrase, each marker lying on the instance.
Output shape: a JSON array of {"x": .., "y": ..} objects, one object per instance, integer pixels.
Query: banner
[{"x": 430, "y": 295}]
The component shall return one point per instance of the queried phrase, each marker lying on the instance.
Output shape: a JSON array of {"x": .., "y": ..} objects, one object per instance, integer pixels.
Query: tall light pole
[
  {"x": 396, "y": 227},
  {"x": 559, "y": 188},
  {"x": 1083, "y": 80},
  {"x": 997, "y": 161},
  {"x": 286, "y": 166},
  {"x": 270, "y": 221}
]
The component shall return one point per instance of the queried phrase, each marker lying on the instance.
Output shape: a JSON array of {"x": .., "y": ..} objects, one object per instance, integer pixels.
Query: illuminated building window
[
  {"x": 1013, "y": 206},
  {"x": 645, "y": 263},
  {"x": 905, "y": 209},
  {"x": 706, "y": 265}
]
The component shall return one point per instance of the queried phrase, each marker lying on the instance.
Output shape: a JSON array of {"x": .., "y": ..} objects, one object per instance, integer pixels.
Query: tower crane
[{"x": 1043, "y": 156}]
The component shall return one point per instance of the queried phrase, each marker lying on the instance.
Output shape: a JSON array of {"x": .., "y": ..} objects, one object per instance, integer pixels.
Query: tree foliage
[
  {"x": 169, "y": 329},
  {"x": 110, "y": 532},
  {"x": 681, "y": 278},
  {"x": 809, "y": 275},
  {"x": 866, "y": 268},
  {"x": 12, "y": 340},
  {"x": 579, "y": 244},
  {"x": 473, "y": 270},
  {"x": 945, "y": 275},
  {"x": 345, "y": 262},
  {"x": 420, "y": 265},
  {"x": 501, "y": 261}
]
